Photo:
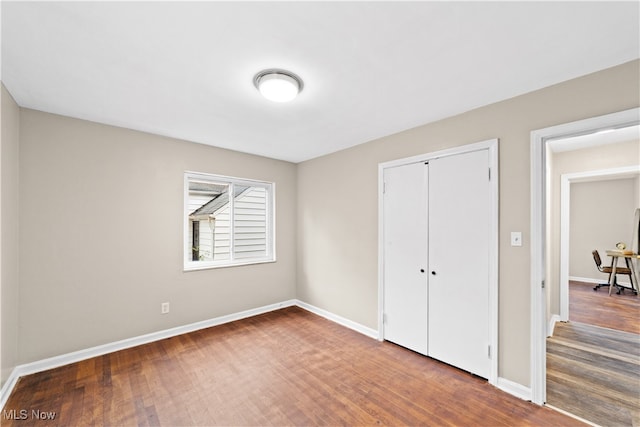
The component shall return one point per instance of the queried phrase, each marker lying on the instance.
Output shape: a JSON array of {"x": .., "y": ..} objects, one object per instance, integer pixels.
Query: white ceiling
[{"x": 370, "y": 69}]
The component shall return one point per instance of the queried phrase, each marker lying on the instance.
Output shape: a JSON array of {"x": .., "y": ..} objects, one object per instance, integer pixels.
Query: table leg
[
  {"x": 634, "y": 274},
  {"x": 612, "y": 279}
]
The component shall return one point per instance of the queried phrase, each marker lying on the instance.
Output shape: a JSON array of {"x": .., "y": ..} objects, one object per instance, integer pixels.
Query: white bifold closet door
[
  {"x": 437, "y": 219},
  {"x": 459, "y": 227},
  {"x": 405, "y": 256}
]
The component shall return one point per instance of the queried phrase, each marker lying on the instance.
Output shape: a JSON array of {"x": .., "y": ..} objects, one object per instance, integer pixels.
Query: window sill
[{"x": 197, "y": 266}]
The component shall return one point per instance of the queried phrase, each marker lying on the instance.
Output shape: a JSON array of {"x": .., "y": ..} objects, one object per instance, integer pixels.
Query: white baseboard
[
  {"x": 588, "y": 279},
  {"x": 516, "y": 389},
  {"x": 8, "y": 386},
  {"x": 552, "y": 324},
  {"x": 77, "y": 356},
  {"x": 372, "y": 333}
]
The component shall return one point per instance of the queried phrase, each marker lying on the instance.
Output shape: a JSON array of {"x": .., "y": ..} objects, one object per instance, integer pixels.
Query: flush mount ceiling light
[{"x": 278, "y": 85}]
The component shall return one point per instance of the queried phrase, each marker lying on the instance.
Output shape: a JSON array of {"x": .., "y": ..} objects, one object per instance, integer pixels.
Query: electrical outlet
[
  {"x": 516, "y": 238},
  {"x": 164, "y": 308}
]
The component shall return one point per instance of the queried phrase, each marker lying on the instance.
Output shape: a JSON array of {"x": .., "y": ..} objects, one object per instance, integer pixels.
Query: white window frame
[{"x": 270, "y": 187}]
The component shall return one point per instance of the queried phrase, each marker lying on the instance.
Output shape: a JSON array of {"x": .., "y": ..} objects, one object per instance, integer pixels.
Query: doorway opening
[
  {"x": 618, "y": 186},
  {"x": 541, "y": 311}
]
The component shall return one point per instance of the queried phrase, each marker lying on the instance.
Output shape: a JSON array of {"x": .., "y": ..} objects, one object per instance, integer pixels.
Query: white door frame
[
  {"x": 565, "y": 214},
  {"x": 492, "y": 146},
  {"x": 539, "y": 139}
]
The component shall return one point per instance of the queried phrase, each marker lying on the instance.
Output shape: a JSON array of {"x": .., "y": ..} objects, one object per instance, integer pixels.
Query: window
[{"x": 228, "y": 221}]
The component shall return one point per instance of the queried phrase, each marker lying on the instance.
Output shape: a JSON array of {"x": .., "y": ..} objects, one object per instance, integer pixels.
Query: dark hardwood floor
[
  {"x": 619, "y": 312},
  {"x": 288, "y": 367}
]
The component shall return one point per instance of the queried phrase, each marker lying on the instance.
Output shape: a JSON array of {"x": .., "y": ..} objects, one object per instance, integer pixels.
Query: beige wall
[
  {"x": 337, "y": 202},
  {"x": 9, "y": 234},
  {"x": 602, "y": 214},
  {"x": 101, "y": 235},
  {"x": 584, "y": 160}
]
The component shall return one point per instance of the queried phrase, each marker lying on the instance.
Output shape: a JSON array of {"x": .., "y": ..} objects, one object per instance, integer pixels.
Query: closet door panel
[
  {"x": 405, "y": 255},
  {"x": 459, "y": 227}
]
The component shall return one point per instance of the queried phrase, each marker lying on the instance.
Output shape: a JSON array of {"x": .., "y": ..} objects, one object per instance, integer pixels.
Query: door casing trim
[{"x": 538, "y": 151}]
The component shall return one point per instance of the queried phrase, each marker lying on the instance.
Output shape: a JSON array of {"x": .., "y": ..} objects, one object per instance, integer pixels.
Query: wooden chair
[{"x": 608, "y": 270}]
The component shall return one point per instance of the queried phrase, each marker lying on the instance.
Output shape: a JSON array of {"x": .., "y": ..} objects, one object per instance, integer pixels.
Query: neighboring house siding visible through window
[
  {"x": 250, "y": 225},
  {"x": 223, "y": 231}
]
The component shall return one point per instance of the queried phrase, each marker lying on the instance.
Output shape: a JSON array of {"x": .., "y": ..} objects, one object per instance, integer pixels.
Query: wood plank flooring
[
  {"x": 288, "y": 367},
  {"x": 619, "y": 312},
  {"x": 594, "y": 373},
  {"x": 593, "y": 362}
]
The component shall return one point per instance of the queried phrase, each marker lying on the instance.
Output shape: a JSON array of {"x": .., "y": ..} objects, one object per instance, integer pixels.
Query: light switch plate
[{"x": 516, "y": 238}]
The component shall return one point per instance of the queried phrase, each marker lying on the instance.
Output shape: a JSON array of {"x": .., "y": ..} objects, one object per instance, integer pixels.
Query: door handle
[
  {"x": 433, "y": 273},
  {"x": 422, "y": 270}
]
